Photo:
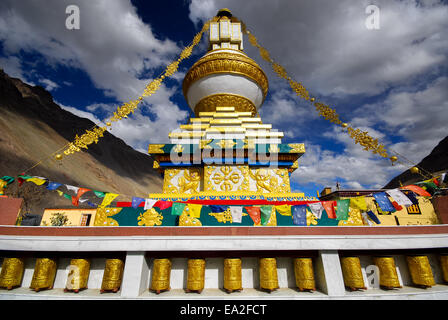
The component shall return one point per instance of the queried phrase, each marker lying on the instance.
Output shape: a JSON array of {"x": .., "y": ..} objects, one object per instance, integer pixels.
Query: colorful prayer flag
[
  {"x": 329, "y": 208},
  {"x": 316, "y": 209},
  {"x": 178, "y": 208},
  {"x": 299, "y": 215},
  {"x": 359, "y": 203},
  {"x": 342, "y": 209},
  {"x": 383, "y": 201},
  {"x": 284, "y": 210},
  {"x": 37, "y": 180},
  {"x": 53, "y": 185},
  {"x": 254, "y": 213},
  {"x": 108, "y": 198},
  {"x": 99, "y": 194},
  {"x": 399, "y": 197},
  {"x": 218, "y": 209},
  {"x": 266, "y": 212},
  {"x": 136, "y": 202},
  {"x": 417, "y": 190},
  {"x": 237, "y": 213},
  {"x": 373, "y": 217},
  {"x": 162, "y": 205},
  {"x": 194, "y": 210}
]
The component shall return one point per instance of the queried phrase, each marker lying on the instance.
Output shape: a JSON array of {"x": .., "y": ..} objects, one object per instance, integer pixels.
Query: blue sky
[{"x": 391, "y": 82}]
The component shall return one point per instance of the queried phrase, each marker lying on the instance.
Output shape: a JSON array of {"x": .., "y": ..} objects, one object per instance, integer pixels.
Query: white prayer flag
[
  {"x": 366, "y": 218},
  {"x": 72, "y": 188},
  {"x": 316, "y": 209},
  {"x": 399, "y": 197},
  {"x": 149, "y": 203},
  {"x": 237, "y": 214}
]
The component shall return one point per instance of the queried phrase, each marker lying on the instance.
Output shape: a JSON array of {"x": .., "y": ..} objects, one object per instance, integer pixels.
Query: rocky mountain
[
  {"x": 436, "y": 163},
  {"x": 33, "y": 127}
]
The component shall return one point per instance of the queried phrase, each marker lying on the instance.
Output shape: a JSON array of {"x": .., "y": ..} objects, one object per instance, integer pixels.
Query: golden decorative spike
[
  {"x": 268, "y": 274},
  {"x": 161, "y": 272},
  {"x": 78, "y": 276},
  {"x": 351, "y": 270},
  {"x": 420, "y": 271},
  {"x": 232, "y": 275},
  {"x": 388, "y": 272},
  {"x": 12, "y": 273},
  {"x": 44, "y": 274},
  {"x": 304, "y": 273},
  {"x": 196, "y": 275},
  {"x": 113, "y": 275}
]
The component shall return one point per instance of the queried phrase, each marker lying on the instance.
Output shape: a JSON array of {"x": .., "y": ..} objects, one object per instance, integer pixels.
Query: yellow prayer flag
[
  {"x": 359, "y": 203},
  {"x": 37, "y": 181},
  {"x": 284, "y": 210},
  {"x": 194, "y": 210},
  {"x": 108, "y": 198},
  {"x": 60, "y": 193}
]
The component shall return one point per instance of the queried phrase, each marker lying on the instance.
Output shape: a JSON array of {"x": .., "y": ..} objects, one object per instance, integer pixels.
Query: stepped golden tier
[{"x": 226, "y": 149}]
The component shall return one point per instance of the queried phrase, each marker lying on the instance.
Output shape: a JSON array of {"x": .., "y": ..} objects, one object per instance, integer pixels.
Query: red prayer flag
[
  {"x": 254, "y": 213},
  {"x": 329, "y": 208},
  {"x": 417, "y": 190},
  {"x": 396, "y": 205},
  {"x": 162, "y": 205},
  {"x": 81, "y": 191}
]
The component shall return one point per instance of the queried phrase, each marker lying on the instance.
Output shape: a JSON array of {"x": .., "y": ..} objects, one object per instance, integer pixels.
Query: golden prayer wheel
[
  {"x": 268, "y": 274},
  {"x": 78, "y": 275},
  {"x": 113, "y": 275},
  {"x": 12, "y": 273},
  {"x": 232, "y": 275},
  {"x": 420, "y": 271},
  {"x": 44, "y": 274},
  {"x": 444, "y": 263},
  {"x": 388, "y": 272},
  {"x": 303, "y": 270},
  {"x": 161, "y": 272},
  {"x": 352, "y": 273},
  {"x": 196, "y": 275}
]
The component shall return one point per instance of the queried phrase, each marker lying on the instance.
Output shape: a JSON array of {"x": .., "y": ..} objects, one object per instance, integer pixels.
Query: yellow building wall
[
  {"x": 427, "y": 214},
  {"x": 74, "y": 216}
]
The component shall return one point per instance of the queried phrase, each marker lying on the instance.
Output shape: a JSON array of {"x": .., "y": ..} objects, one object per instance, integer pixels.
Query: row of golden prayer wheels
[{"x": 45, "y": 272}]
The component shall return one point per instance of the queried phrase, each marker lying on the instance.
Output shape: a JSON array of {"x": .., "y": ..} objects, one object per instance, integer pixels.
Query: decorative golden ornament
[
  {"x": 113, "y": 275},
  {"x": 161, "y": 272},
  {"x": 351, "y": 271},
  {"x": 312, "y": 99},
  {"x": 58, "y": 157},
  {"x": 210, "y": 103},
  {"x": 344, "y": 125},
  {"x": 228, "y": 63},
  {"x": 196, "y": 275},
  {"x": 12, "y": 273},
  {"x": 156, "y": 149},
  {"x": 186, "y": 221},
  {"x": 44, "y": 274},
  {"x": 232, "y": 275},
  {"x": 414, "y": 170},
  {"x": 393, "y": 158},
  {"x": 388, "y": 272},
  {"x": 108, "y": 124},
  {"x": 444, "y": 264},
  {"x": 304, "y": 274},
  {"x": 150, "y": 218},
  {"x": 420, "y": 271},
  {"x": 268, "y": 274},
  {"x": 78, "y": 275}
]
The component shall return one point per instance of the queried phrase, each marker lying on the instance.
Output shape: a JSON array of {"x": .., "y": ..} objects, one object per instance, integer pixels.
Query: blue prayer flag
[
  {"x": 218, "y": 209},
  {"x": 373, "y": 217},
  {"x": 384, "y": 202},
  {"x": 136, "y": 202},
  {"x": 53, "y": 185},
  {"x": 299, "y": 215}
]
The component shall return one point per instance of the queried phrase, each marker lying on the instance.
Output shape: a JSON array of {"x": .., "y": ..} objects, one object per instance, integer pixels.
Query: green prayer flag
[
  {"x": 99, "y": 194},
  {"x": 177, "y": 208},
  {"x": 342, "y": 209},
  {"x": 266, "y": 212},
  {"x": 68, "y": 196}
]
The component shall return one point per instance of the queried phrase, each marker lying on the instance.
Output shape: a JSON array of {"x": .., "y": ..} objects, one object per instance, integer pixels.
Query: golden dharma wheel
[
  {"x": 268, "y": 274},
  {"x": 161, "y": 272},
  {"x": 388, "y": 272},
  {"x": 304, "y": 273},
  {"x": 113, "y": 275},
  {"x": 78, "y": 275},
  {"x": 12, "y": 273},
  {"x": 420, "y": 271},
  {"x": 196, "y": 275},
  {"x": 352, "y": 273},
  {"x": 444, "y": 264},
  {"x": 232, "y": 274},
  {"x": 44, "y": 274}
]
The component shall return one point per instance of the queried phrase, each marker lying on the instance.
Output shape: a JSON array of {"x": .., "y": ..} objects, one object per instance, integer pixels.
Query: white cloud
[{"x": 48, "y": 84}]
